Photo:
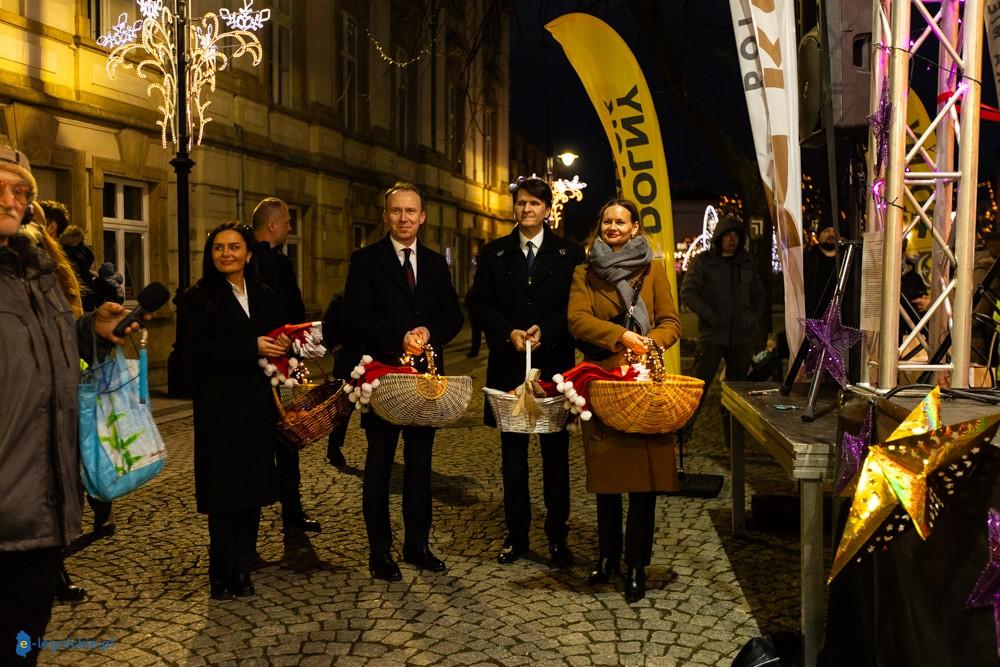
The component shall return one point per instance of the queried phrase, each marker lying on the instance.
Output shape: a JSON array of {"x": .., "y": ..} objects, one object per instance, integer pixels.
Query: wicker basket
[
  {"x": 554, "y": 410},
  {"x": 312, "y": 415},
  {"x": 427, "y": 399},
  {"x": 648, "y": 406}
]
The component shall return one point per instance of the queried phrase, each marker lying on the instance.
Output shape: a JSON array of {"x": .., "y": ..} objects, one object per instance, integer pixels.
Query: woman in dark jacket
[
  {"x": 620, "y": 262},
  {"x": 222, "y": 326}
]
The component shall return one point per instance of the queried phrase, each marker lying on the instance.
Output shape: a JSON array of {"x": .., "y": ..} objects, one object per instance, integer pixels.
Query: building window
[
  {"x": 126, "y": 232},
  {"x": 349, "y": 73},
  {"x": 490, "y": 147},
  {"x": 402, "y": 94},
  {"x": 456, "y": 126},
  {"x": 281, "y": 62},
  {"x": 104, "y": 14},
  {"x": 293, "y": 242}
]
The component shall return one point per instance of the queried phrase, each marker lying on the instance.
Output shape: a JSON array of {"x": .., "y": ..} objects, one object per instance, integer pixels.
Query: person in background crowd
[
  {"x": 819, "y": 264},
  {"x": 272, "y": 223},
  {"x": 723, "y": 289},
  {"x": 399, "y": 296},
  {"x": 619, "y": 264},
  {"x": 224, "y": 320},
  {"x": 518, "y": 297},
  {"x": 43, "y": 335}
]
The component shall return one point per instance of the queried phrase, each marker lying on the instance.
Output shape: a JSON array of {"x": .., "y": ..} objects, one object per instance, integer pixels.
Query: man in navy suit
[
  {"x": 520, "y": 294},
  {"x": 399, "y": 296}
]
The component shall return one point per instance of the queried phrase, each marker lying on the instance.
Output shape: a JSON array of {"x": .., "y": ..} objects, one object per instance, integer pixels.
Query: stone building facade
[{"x": 350, "y": 96}]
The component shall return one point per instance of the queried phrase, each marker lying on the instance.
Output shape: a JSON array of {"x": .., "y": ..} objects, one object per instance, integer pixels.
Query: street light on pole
[
  {"x": 562, "y": 190},
  {"x": 180, "y": 56}
]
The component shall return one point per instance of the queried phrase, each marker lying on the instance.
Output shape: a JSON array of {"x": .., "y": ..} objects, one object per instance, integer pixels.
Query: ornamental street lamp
[{"x": 180, "y": 56}]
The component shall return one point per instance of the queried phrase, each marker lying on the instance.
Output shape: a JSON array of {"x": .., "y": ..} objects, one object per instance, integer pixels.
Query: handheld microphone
[{"x": 151, "y": 298}]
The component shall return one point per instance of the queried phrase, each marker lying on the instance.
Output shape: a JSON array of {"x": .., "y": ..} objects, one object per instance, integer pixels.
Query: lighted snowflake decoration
[
  {"x": 775, "y": 258},
  {"x": 704, "y": 240},
  {"x": 122, "y": 33},
  {"x": 206, "y": 39},
  {"x": 564, "y": 190},
  {"x": 150, "y": 9},
  {"x": 245, "y": 18}
]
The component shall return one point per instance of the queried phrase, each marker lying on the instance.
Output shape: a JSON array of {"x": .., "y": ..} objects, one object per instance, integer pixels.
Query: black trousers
[
  {"x": 639, "y": 527},
  {"x": 418, "y": 441},
  {"x": 28, "y": 582},
  {"x": 337, "y": 436},
  {"x": 286, "y": 458},
  {"x": 707, "y": 358},
  {"x": 555, "y": 485},
  {"x": 232, "y": 543}
]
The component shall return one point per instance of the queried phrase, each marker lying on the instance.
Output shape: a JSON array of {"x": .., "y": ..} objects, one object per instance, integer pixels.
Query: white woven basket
[{"x": 554, "y": 409}]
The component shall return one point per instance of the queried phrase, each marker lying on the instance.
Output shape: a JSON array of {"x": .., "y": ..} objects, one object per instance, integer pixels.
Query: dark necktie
[
  {"x": 411, "y": 279},
  {"x": 531, "y": 256}
]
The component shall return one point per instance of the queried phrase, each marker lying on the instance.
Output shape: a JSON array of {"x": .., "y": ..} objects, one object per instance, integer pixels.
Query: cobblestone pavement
[{"x": 317, "y": 605}]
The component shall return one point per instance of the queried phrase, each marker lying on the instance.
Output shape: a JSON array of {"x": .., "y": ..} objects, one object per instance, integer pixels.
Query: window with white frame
[
  {"x": 349, "y": 72},
  {"x": 293, "y": 242},
  {"x": 126, "y": 232}
]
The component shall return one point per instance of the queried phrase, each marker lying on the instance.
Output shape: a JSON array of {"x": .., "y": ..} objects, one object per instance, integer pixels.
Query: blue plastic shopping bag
[{"x": 120, "y": 446}]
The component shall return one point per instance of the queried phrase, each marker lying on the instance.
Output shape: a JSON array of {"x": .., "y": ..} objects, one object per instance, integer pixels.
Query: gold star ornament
[{"x": 894, "y": 491}]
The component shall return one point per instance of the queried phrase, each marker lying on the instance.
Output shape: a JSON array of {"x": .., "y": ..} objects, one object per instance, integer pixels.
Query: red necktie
[{"x": 411, "y": 279}]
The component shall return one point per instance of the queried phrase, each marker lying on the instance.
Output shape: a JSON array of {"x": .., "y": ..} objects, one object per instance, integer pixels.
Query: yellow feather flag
[{"x": 618, "y": 91}]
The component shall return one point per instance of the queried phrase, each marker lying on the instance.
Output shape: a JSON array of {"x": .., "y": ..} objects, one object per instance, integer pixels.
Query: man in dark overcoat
[
  {"x": 399, "y": 296},
  {"x": 272, "y": 223},
  {"x": 519, "y": 295}
]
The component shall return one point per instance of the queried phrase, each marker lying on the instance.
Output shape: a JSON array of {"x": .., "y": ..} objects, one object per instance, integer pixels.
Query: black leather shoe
[
  {"x": 242, "y": 586},
  {"x": 510, "y": 554},
  {"x": 424, "y": 559},
  {"x": 635, "y": 584},
  {"x": 602, "y": 571},
  {"x": 336, "y": 458},
  {"x": 383, "y": 567},
  {"x": 66, "y": 591},
  {"x": 560, "y": 554},
  {"x": 104, "y": 520},
  {"x": 221, "y": 591},
  {"x": 302, "y": 524}
]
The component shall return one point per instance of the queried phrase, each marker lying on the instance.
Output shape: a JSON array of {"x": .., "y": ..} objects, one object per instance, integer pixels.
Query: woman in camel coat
[{"x": 621, "y": 260}]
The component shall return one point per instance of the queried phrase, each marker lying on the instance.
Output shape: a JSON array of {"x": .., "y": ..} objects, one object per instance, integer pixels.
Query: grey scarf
[{"x": 616, "y": 267}]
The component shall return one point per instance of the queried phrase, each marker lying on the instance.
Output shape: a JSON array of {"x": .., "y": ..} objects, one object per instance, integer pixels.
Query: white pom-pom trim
[
  {"x": 560, "y": 385},
  {"x": 367, "y": 359},
  {"x": 558, "y": 379},
  {"x": 366, "y": 388},
  {"x": 375, "y": 383},
  {"x": 293, "y": 362},
  {"x": 274, "y": 382},
  {"x": 289, "y": 382},
  {"x": 262, "y": 362},
  {"x": 580, "y": 401},
  {"x": 586, "y": 415}
]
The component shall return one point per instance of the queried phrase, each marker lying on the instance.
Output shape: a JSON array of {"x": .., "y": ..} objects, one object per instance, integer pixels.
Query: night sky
[{"x": 550, "y": 107}]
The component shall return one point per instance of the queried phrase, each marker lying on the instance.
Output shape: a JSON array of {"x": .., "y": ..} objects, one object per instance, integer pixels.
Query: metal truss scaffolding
[{"x": 916, "y": 183}]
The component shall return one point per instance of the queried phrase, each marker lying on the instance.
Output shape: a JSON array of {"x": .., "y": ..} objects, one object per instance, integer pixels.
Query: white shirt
[
  {"x": 401, "y": 256},
  {"x": 241, "y": 296},
  {"x": 536, "y": 241}
]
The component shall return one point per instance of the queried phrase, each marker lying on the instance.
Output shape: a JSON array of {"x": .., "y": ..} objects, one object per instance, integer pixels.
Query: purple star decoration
[
  {"x": 986, "y": 592},
  {"x": 853, "y": 450},
  {"x": 879, "y": 124},
  {"x": 829, "y": 341}
]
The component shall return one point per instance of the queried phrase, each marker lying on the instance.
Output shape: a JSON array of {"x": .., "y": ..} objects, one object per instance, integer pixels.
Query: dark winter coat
[
  {"x": 40, "y": 488},
  {"x": 725, "y": 292},
  {"x": 234, "y": 411},
  {"x": 379, "y": 307},
  {"x": 502, "y": 299},
  {"x": 275, "y": 269}
]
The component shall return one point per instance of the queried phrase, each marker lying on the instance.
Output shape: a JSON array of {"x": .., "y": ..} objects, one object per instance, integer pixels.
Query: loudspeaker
[{"x": 850, "y": 38}]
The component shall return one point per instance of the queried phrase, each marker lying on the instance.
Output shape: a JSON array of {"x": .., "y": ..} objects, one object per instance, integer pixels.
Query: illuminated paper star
[
  {"x": 829, "y": 341},
  {"x": 986, "y": 592},
  {"x": 897, "y": 472},
  {"x": 853, "y": 449}
]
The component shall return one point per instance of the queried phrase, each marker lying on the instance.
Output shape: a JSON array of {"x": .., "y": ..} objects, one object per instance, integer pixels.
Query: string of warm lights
[
  {"x": 392, "y": 61},
  {"x": 564, "y": 190},
  {"x": 152, "y": 41}
]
